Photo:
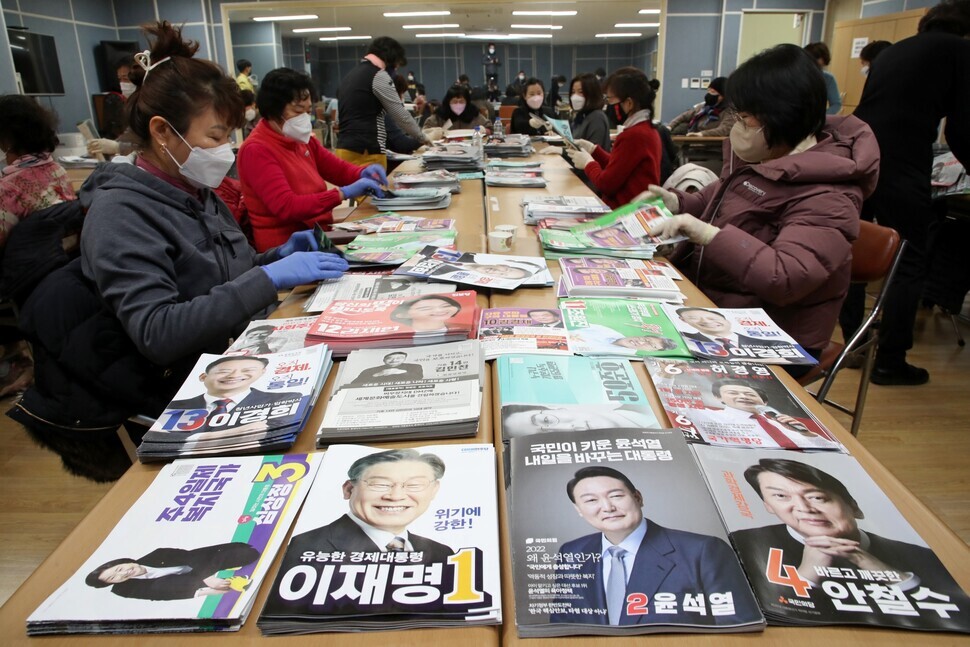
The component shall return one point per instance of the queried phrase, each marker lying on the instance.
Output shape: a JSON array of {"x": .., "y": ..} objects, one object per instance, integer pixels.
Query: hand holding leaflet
[
  {"x": 669, "y": 197},
  {"x": 697, "y": 231},
  {"x": 537, "y": 123},
  {"x": 585, "y": 145},
  {"x": 579, "y": 158},
  {"x": 300, "y": 241},
  {"x": 103, "y": 147},
  {"x": 375, "y": 172},
  {"x": 363, "y": 186},
  {"x": 300, "y": 268}
]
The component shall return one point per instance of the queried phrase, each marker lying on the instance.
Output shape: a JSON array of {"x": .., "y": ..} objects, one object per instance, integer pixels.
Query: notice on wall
[{"x": 857, "y": 45}]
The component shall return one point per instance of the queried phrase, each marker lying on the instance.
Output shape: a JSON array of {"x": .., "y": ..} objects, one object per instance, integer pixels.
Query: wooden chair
[
  {"x": 505, "y": 114},
  {"x": 875, "y": 255}
]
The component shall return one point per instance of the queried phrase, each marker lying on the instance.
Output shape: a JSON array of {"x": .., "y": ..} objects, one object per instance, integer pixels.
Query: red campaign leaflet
[
  {"x": 264, "y": 336},
  {"x": 735, "y": 405}
]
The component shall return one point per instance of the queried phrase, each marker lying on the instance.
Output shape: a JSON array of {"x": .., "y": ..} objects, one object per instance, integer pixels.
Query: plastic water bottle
[
  {"x": 477, "y": 139},
  {"x": 498, "y": 130}
]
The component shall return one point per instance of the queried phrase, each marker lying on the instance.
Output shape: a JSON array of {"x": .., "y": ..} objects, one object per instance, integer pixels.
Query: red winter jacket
[
  {"x": 284, "y": 184},
  {"x": 787, "y": 227},
  {"x": 633, "y": 165}
]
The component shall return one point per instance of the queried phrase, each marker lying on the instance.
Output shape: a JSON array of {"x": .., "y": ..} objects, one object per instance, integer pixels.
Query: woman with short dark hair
[
  {"x": 634, "y": 163},
  {"x": 456, "y": 112},
  {"x": 31, "y": 179},
  {"x": 284, "y": 170},
  {"x": 589, "y": 120},
  {"x": 820, "y": 53},
  {"x": 528, "y": 117},
  {"x": 776, "y": 231}
]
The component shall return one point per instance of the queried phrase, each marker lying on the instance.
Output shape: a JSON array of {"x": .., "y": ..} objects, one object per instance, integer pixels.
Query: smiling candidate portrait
[
  {"x": 386, "y": 492},
  {"x": 630, "y": 554}
]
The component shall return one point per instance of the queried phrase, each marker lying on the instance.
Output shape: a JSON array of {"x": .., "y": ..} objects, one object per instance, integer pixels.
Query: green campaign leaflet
[{"x": 621, "y": 328}]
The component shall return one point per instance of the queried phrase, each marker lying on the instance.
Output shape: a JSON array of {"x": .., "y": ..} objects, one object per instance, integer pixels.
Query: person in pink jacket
[
  {"x": 284, "y": 170},
  {"x": 776, "y": 230}
]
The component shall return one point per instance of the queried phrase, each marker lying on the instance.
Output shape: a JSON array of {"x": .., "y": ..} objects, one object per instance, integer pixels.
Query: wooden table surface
[{"x": 478, "y": 210}]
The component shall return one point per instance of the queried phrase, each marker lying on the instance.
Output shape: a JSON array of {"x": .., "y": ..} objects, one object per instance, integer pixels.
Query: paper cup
[
  {"x": 508, "y": 229},
  {"x": 499, "y": 241}
]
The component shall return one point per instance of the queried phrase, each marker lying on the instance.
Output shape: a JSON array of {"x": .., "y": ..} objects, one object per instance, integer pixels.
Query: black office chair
[{"x": 875, "y": 255}]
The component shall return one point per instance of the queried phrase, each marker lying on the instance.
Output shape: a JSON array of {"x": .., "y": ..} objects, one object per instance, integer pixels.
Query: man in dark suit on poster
[
  {"x": 632, "y": 557},
  {"x": 820, "y": 536},
  {"x": 387, "y": 491},
  {"x": 228, "y": 381},
  {"x": 714, "y": 332},
  {"x": 173, "y": 573}
]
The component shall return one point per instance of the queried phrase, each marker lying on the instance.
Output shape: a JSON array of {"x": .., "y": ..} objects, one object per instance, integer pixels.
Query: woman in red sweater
[
  {"x": 284, "y": 170},
  {"x": 634, "y": 163}
]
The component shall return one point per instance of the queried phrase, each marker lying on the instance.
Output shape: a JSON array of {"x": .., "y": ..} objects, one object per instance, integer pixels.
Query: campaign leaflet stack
[
  {"x": 204, "y": 533},
  {"x": 394, "y": 248},
  {"x": 239, "y": 404},
  {"x": 392, "y": 222},
  {"x": 544, "y": 394},
  {"x": 264, "y": 336},
  {"x": 615, "y": 277},
  {"x": 826, "y": 546},
  {"x": 522, "y": 330},
  {"x": 453, "y": 157},
  {"x": 510, "y": 146},
  {"x": 736, "y": 405},
  {"x": 420, "y": 199},
  {"x": 621, "y": 328},
  {"x": 538, "y": 207},
  {"x": 439, "y": 179},
  {"x": 392, "y": 539},
  {"x": 497, "y": 271},
  {"x": 736, "y": 335},
  {"x": 397, "y": 323},
  {"x": 624, "y": 233},
  {"x": 370, "y": 286},
  {"x": 625, "y": 539},
  {"x": 414, "y": 393},
  {"x": 515, "y": 177}
]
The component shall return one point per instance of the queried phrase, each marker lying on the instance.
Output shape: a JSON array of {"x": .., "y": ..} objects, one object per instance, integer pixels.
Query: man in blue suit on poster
[{"x": 633, "y": 559}]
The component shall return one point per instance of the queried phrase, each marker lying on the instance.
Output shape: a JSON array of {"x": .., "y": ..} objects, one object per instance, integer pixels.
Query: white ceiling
[{"x": 480, "y": 17}]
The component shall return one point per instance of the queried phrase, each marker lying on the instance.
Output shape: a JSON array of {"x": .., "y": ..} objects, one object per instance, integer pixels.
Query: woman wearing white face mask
[
  {"x": 284, "y": 170},
  {"x": 775, "y": 232},
  {"x": 589, "y": 120},
  {"x": 457, "y": 112},
  {"x": 166, "y": 256},
  {"x": 528, "y": 117}
]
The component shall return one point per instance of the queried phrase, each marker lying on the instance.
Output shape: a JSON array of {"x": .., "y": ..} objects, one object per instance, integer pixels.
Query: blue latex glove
[
  {"x": 375, "y": 172},
  {"x": 300, "y": 241},
  {"x": 300, "y": 268},
  {"x": 363, "y": 186}
]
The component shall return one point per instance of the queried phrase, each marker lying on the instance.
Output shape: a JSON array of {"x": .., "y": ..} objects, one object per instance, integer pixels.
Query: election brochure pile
[
  {"x": 239, "y": 404},
  {"x": 414, "y": 393},
  {"x": 646, "y": 553},
  {"x": 735, "y": 405},
  {"x": 394, "y": 248},
  {"x": 418, "y": 199},
  {"x": 510, "y": 146},
  {"x": 499, "y": 271},
  {"x": 505, "y": 165},
  {"x": 736, "y": 335},
  {"x": 522, "y": 330},
  {"x": 538, "y": 207},
  {"x": 397, "y": 539},
  {"x": 394, "y": 222},
  {"x": 515, "y": 177},
  {"x": 540, "y": 394},
  {"x": 264, "y": 336},
  {"x": 621, "y": 328},
  {"x": 453, "y": 157},
  {"x": 614, "y": 277},
  {"x": 397, "y": 322},
  {"x": 623, "y": 233},
  {"x": 189, "y": 555},
  {"x": 370, "y": 286},
  {"x": 439, "y": 179},
  {"x": 822, "y": 544}
]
